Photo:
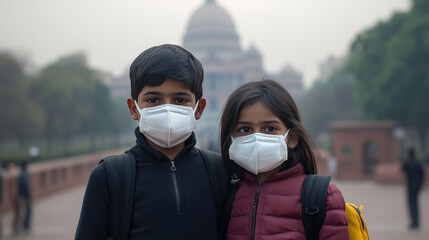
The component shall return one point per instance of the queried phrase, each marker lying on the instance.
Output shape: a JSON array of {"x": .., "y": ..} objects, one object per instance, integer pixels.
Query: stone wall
[{"x": 47, "y": 178}]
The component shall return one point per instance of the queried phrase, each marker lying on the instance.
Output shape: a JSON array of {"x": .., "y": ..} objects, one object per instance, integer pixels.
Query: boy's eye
[
  {"x": 181, "y": 100},
  {"x": 152, "y": 100}
]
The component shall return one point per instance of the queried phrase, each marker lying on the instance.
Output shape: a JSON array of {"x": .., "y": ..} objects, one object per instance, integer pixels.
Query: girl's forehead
[{"x": 257, "y": 113}]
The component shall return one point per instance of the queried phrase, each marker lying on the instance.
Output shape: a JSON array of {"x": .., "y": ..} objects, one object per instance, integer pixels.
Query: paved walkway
[
  {"x": 53, "y": 218},
  {"x": 56, "y": 217},
  {"x": 385, "y": 209}
]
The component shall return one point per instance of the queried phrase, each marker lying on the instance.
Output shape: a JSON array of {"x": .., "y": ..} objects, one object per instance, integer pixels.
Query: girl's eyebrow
[{"x": 264, "y": 122}]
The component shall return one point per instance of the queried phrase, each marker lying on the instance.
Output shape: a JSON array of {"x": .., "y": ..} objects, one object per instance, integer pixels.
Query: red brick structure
[{"x": 362, "y": 149}]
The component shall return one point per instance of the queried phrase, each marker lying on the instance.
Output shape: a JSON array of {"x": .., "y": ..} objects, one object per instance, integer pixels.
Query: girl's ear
[{"x": 292, "y": 140}]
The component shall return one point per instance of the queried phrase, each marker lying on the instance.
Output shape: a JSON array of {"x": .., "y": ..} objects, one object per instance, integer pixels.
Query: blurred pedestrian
[
  {"x": 12, "y": 192},
  {"x": 414, "y": 175},
  {"x": 332, "y": 166},
  {"x": 23, "y": 202}
]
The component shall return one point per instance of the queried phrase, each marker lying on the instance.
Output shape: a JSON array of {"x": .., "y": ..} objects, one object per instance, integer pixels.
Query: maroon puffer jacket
[{"x": 272, "y": 210}]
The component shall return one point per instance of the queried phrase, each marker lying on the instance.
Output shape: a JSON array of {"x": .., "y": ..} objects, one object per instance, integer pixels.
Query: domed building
[
  {"x": 211, "y": 33},
  {"x": 211, "y": 36}
]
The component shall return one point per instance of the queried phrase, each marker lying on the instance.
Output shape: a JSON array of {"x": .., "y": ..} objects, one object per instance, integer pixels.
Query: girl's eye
[
  {"x": 152, "y": 100},
  {"x": 244, "y": 130},
  {"x": 271, "y": 129},
  {"x": 181, "y": 100}
]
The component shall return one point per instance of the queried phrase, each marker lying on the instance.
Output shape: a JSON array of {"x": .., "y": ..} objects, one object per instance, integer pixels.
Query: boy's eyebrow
[
  {"x": 172, "y": 94},
  {"x": 151, "y": 93}
]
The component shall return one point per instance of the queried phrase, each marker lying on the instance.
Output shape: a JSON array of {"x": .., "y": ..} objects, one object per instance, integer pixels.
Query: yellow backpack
[
  {"x": 313, "y": 195},
  {"x": 356, "y": 222}
]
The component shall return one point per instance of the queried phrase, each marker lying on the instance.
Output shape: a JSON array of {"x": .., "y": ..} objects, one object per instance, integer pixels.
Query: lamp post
[
  {"x": 400, "y": 135},
  {"x": 34, "y": 152}
]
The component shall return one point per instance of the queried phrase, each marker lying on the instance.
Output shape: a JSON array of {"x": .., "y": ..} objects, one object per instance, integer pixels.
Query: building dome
[
  {"x": 253, "y": 52},
  {"x": 211, "y": 29}
]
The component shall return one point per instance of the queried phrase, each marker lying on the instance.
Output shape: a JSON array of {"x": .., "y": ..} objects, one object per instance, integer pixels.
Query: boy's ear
[
  {"x": 292, "y": 140},
  {"x": 200, "y": 108},
  {"x": 133, "y": 109}
]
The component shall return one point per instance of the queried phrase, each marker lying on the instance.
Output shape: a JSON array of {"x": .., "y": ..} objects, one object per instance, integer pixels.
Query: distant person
[
  {"x": 414, "y": 174},
  {"x": 173, "y": 198},
  {"x": 12, "y": 193},
  {"x": 23, "y": 202},
  {"x": 24, "y": 193},
  {"x": 332, "y": 166}
]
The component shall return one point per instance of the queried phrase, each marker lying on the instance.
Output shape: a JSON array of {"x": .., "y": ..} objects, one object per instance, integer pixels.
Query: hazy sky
[{"x": 302, "y": 33}]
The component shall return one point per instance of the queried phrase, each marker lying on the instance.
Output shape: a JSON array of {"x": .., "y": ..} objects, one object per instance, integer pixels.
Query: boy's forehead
[{"x": 168, "y": 87}]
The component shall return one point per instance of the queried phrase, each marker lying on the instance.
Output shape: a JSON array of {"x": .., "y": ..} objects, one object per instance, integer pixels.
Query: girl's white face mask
[
  {"x": 167, "y": 125},
  {"x": 259, "y": 152}
]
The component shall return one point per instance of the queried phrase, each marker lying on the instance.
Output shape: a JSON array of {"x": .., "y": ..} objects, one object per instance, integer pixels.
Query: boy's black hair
[{"x": 156, "y": 64}]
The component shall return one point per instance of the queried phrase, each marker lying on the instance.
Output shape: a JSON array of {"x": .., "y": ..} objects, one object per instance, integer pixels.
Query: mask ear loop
[
  {"x": 137, "y": 105},
  {"x": 196, "y": 106},
  {"x": 138, "y": 109},
  {"x": 284, "y": 137}
]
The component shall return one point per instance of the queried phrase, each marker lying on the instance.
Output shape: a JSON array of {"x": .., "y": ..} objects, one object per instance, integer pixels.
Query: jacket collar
[{"x": 298, "y": 169}]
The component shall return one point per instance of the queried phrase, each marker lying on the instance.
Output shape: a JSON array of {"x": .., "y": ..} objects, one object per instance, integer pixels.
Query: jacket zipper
[
  {"x": 255, "y": 209},
  {"x": 176, "y": 187}
]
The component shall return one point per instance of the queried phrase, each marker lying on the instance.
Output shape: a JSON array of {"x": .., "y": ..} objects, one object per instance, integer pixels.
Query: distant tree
[
  {"x": 329, "y": 101},
  {"x": 74, "y": 98},
  {"x": 21, "y": 118},
  {"x": 102, "y": 120},
  {"x": 390, "y": 63}
]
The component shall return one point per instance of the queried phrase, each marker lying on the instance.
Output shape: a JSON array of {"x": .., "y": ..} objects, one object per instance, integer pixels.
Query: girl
[{"x": 266, "y": 147}]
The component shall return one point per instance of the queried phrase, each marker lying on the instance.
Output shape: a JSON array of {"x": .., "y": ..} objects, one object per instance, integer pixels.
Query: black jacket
[
  {"x": 167, "y": 204},
  {"x": 414, "y": 173}
]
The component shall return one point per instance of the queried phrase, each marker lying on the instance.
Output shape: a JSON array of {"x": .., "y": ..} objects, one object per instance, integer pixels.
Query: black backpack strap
[
  {"x": 218, "y": 178},
  {"x": 313, "y": 195},
  {"x": 226, "y": 216},
  {"x": 121, "y": 174}
]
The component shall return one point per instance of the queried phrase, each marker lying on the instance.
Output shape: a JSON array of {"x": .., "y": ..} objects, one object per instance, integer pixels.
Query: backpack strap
[
  {"x": 218, "y": 179},
  {"x": 121, "y": 176},
  {"x": 226, "y": 215},
  {"x": 313, "y": 196}
]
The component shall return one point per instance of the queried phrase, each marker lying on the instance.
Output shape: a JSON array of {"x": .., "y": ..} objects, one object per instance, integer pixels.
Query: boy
[{"x": 173, "y": 198}]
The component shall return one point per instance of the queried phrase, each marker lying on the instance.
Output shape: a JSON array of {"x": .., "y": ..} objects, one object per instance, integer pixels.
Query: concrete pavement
[
  {"x": 56, "y": 217},
  {"x": 53, "y": 218},
  {"x": 385, "y": 209}
]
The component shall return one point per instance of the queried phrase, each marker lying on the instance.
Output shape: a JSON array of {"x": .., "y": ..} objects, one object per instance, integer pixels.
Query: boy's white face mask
[
  {"x": 259, "y": 152},
  {"x": 167, "y": 125}
]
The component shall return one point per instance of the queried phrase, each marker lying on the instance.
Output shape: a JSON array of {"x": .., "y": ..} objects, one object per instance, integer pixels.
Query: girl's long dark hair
[{"x": 279, "y": 101}]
